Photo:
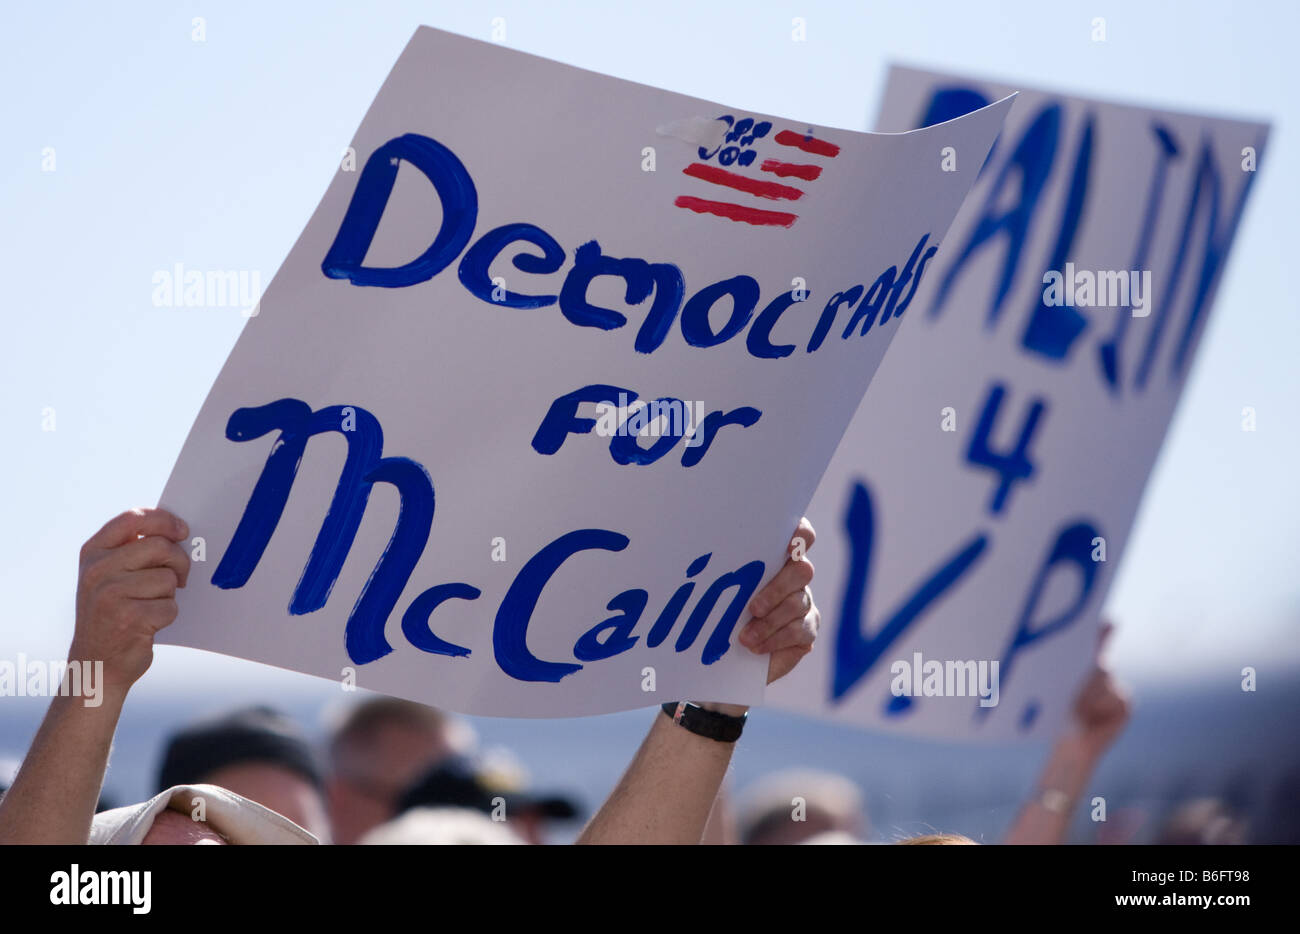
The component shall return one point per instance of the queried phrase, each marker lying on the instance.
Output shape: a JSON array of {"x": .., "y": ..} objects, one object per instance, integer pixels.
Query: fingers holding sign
[
  {"x": 1102, "y": 707},
  {"x": 126, "y": 591},
  {"x": 785, "y": 618}
]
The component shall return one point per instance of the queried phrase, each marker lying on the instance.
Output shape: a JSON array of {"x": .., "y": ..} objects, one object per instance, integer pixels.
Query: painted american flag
[{"x": 751, "y": 188}]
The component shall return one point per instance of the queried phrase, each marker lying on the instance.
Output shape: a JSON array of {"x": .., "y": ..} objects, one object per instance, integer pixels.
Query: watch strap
[{"x": 708, "y": 723}]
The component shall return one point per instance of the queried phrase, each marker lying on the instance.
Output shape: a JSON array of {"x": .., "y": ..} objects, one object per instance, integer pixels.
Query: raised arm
[
  {"x": 667, "y": 792},
  {"x": 1101, "y": 711},
  {"x": 126, "y": 591}
]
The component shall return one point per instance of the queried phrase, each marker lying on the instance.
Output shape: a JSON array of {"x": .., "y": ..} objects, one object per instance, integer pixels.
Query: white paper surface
[
  {"x": 461, "y": 383},
  {"x": 921, "y": 499}
]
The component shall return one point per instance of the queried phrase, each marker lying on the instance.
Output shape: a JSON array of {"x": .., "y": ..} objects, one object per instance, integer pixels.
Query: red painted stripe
[
  {"x": 784, "y": 169},
  {"x": 752, "y": 186},
  {"x": 736, "y": 212},
  {"x": 818, "y": 147}
]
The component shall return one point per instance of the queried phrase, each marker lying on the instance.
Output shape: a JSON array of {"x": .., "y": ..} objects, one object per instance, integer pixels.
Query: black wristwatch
[{"x": 710, "y": 723}]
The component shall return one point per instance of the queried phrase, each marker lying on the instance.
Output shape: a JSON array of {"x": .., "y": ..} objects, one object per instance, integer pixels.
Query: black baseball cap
[
  {"x": 458, "y": 782},
  {"x": 254, "y": 734}
]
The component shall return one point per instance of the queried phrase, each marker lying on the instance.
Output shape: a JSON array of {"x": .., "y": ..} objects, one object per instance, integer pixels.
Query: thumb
[{"x": 1104, "y": 632}]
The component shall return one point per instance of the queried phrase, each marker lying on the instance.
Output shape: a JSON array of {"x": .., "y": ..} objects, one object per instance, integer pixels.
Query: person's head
[
  {"x": 441, "y": 827},
  {"x": 8, "y": 772},
  {"x": 938, "y": 839},
  {"x": 831, "y": 838},
  {"x": 377, "y": 750},
  {"x": 196, "y": 815},
  {"x": 1203, "y": 821},
  {"x": 796, "y": 805},
  {"x": 1280, "y": 822},
  {"x": 256, "y": 753},
  {"x": 496, "y": 788}
]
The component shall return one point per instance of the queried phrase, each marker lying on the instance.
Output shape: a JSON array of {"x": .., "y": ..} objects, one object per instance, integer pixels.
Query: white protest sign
[
  {"x": 426, "y": 464},
  {"x": 971, "y": 519}
]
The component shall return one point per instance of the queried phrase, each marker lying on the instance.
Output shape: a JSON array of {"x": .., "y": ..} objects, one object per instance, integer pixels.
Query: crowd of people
[{"x": 394, "y": 771}]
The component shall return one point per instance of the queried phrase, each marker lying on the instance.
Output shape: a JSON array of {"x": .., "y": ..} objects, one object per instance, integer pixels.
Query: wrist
[
  {"x": 97, "y": 699},
  {"x": 1072, "y": 762},
  {"x": 708, "y": 722},
  {"x": 98, "y": 685},
  {"x": 1082, "y": 748},
  {"x": 1055, "y": 800}
]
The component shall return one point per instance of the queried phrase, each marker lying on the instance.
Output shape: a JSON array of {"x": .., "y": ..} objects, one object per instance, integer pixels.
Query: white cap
[{"x": 234, "y": 817}]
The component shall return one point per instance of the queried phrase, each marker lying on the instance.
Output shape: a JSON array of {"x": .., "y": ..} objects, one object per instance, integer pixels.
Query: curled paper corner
[{"x": 701, "y": 131}]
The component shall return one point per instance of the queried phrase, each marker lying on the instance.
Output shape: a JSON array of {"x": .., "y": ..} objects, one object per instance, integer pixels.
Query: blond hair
[{"x": 938, "y": 839}]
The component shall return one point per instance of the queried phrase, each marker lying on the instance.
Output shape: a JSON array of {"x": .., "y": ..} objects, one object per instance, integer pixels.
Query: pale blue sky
[{"x": 213, "y": 155}]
